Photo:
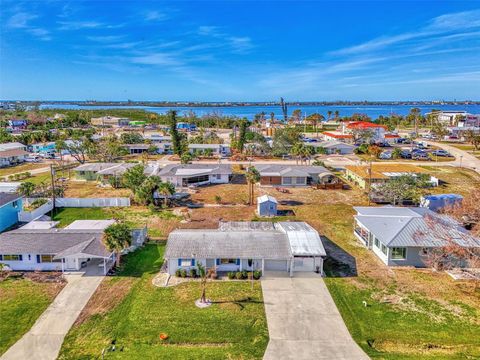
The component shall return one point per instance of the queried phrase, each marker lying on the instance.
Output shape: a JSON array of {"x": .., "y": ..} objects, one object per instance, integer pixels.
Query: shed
[{"x": 266, "y": 205}]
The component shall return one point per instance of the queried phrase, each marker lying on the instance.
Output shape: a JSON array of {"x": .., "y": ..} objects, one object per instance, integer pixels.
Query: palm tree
[
  {"x": 166, "y": 189},
  {"x": 117, "y": 237},
  {"x": 337, "y": 113},
  {"x": 297, "y": 150},
  {"x": 253, "y": 176},
  {"x": 329, "y": 113},
  {"x": 204, "y": 275},
  {"x": 26, "y": 189}
]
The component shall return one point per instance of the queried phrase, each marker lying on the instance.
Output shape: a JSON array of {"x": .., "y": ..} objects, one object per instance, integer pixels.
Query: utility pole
[
  {"x": 52, "y": 176},
  {"x": 369, "y": 181}
]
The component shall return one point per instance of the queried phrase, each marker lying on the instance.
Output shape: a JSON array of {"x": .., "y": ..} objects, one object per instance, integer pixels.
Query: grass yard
[
  {"x": 233, "y": 328},
  {"x": 411, "y": 313},
  {"x": 456, "y": 180},
  {"x": 22, "y": 168},
  {"x": 21, "y": 303},
  {"x": 89, "y": 189}
]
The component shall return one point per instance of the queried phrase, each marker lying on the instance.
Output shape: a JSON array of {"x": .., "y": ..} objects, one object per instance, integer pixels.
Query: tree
[
  {"x": 241, "y": 136},
  {"x": 134, "y": 177},
  {"x": 176, "y": 138},
  {"x": 284, "y": 139},
  {"x": 107, "y": 149},
  {"x": 467, "y": 211},
  {"x": 253, "y": 176},
  {"x": 131, "y": 138},
  {"x": 362, "y": 136},
  {"x": 374, "y": 150},
  {"x": 116, "y": 238},
  {"x": 404, "y": 187},
  {"x": 315, "y": 119},
  {"x": 204, "y": 275},
  {"x": 144, "y": 193},
  {"x": 396, "y": 153},
  {"x": 166, "y": 189},
  {"x": 337, "y": 114},
  {"x": 186, "y": 158},
  {"x": 473, "y": 138},
  {"x": 26, "y": 189},
  {"x": 78, "y": 147},
  {"x": 329, "y": 114},
  {"x": 296, "y": 116},
  {"x": 284, "y": 107}
]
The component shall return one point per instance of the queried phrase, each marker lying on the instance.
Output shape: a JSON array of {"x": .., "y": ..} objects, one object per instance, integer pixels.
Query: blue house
[
  {"x": 267, "y": 206},
  {"x": 10, "y": 206},
  {"x": 186, "y": 126}
]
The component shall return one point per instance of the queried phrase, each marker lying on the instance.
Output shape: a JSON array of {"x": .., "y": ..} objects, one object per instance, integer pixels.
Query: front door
[{"x": 70, "y": 264}]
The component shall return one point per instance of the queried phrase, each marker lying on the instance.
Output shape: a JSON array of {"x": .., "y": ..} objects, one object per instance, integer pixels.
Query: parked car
[
  {"x": 386, "y": 155},
  {"x": 384, "y": 144},
  {"x": 444, "y": 153},
  {"x": 420, "y": 155},
  {"x": 421, "y": 146},
  {"x": 406, "y": 154},
  {"x": 33, "y": 159}
]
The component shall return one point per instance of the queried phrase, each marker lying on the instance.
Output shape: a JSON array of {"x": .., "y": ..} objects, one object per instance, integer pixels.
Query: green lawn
[
  {"x": 411, "y": 314},
  {"x": 233, "y": 328},
  {"x": 21, "y": 168},
  {"x": 68, "y": 215},
  {"x": 21, "y": 303}
]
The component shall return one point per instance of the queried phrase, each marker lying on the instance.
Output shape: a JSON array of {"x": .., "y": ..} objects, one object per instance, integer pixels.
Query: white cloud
[
  {"x": 41, "y": 33},
  {"x": 158, "y": 59},
  {"x": 78, "y": 25},
  {"x": 155, "y": 15},
  {"x": 105, "y": 39},
  {"x": 20, "y": 20}
]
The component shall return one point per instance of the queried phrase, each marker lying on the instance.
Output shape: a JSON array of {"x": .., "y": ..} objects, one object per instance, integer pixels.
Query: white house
[
  {"x": 293, "y": 175},
  {"x": 183, "y": 175},
  {"x": 12, "y": 153},
  {"x": 334, "y": 147},
  {"x": 216, "y": 149},
  {"x": 402, "y": 236},
  {"x": 236, "y": 246},
  {"x": 70, "y": 249},
  {"x": 267, "y": 205}
]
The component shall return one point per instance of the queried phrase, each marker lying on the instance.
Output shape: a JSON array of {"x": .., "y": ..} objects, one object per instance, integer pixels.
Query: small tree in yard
[
  {"x": 166, "y": 189},
  {"x": 26, "y": 189},
  {"x": 468, "y": 211},
  {"x": 117, "y": 237},
  {"x": 134, "y": 177},
  {"x": 204, "y": 275},
  {"x": 253, "y": 176},
  {"x": 186, "y": 158}
]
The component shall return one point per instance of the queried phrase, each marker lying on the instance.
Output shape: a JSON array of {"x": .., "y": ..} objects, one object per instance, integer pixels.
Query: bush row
[{"x": 242, "y": 275}]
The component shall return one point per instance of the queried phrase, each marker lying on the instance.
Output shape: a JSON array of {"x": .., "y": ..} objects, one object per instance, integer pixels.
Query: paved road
[
  {"x": 45, "y": 338},
  {"x": 462, "y": 158},
  {"x": 303, "y": 321}
]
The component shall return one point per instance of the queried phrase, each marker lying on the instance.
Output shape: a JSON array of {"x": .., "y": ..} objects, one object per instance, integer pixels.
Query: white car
[
  {"x": 33, "y": 159},
  {"x": 386, "y": 155}
]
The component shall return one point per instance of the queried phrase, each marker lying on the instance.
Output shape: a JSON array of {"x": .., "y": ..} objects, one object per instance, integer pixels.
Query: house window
[
  {"x": 300, "y": 180},
  {"x": 219, "y": 176},
  {"x": 11, "y": 257},
  {"x": 250, "y": 262},
  {"x": 15, "y": 204},
  {"x": 384, "y": 249},
  {"x": 287, "y": 180},
  {"x": 228, "y": 261},
  {"x": 48, "y": 259},
  {"x": 399, "y": 253},
  {"x": 185, "y": 262},
  {"x": 377, "y": 243}
]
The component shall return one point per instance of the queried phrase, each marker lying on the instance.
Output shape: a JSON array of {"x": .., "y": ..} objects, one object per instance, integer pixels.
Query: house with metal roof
[
  {"x": 103, "y": 172},
  {"x": 333, "y": 147},
  {"x": 293, "y": 175},
  {"x": 402, "y": 236},
  {"x": 238, "y": 246},
  {"x": 184, "y": 175},
  {"x": 214, "y": 149},
  {"x": 73, "y": 248}
]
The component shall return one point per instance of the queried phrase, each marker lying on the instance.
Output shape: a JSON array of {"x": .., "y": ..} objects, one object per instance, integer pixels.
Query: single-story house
[
  {"x": 382, "y": 173},
  {"x": 293, "y": 175},
  {"x": 18, "y": 124},
  {"x": 68, "y": 249},
  {"x": 402, "y": 236},
  {"x": 9, "y": 187},
  {"x": 215, "y": 149},
  {"x": 138, "y": 148},
  {"x": 47, "y": 147},
  {"x": 12, "y": 157},
  {"x": 110, "y": 121},
  {"x": 333, "y": 147},
  {"x": 12, "y": 146},
  {"x": 183, "y": 126},
  {"x": 102, "y": 172},
  {"x": 236, "y": 246},
  {"x": 267, "y": 205},
  {"x": 182, "y": 175},
  {"x": 10, "y": 206}
]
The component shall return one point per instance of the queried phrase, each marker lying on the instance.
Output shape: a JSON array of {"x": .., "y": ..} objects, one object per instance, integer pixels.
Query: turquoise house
[{"x": 10, "y": 206}]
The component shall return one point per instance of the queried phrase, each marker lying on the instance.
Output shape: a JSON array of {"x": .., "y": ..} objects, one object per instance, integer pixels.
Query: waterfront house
[
  {"x": 267, "y": 205},
  {"x": 401, "y": 236},
  {"x": 73, "y": 248},
  {"x": 183, "y": 175},
  {"x": 236, "y": 246},
  {"x": 214, "y": 149},
  {"x": 293, "y": 175},
  {"x": 10, "y": 206},
  {"x": 378, "y": 174}
]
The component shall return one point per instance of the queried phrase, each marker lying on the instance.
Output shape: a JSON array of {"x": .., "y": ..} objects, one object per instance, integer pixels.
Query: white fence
[
  {"x": 91, "y": 202},
  {"x": 27, "y": 216}
]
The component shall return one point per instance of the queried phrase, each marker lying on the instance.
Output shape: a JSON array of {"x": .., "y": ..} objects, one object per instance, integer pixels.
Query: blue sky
[{"x": 240, "y": 51}]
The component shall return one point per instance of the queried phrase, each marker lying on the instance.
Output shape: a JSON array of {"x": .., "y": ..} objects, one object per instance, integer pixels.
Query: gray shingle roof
[
  {"x": 53, "y": 241},
  {"x": 414, "y": 227},
  {"x": 6, "y": 198}
]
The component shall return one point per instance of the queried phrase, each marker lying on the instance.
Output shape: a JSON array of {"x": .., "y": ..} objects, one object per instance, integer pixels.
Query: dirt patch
[
  {"x": 415, "y": 349},
  {"x": 90, "y": 189},
  {"x": 108, "y": 295}
]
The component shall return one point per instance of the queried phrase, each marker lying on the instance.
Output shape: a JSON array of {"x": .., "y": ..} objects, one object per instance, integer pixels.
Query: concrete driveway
[
  {"x": 44, "y": 340},
  {"x": 303, "y": 321}
]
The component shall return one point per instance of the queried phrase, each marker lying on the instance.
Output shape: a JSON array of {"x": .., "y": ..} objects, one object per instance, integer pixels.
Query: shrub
[
  {"x": 231, "y": 275},
  {"x": 238, "y": 275},
  {"x": 178, "y": 272},
  {"x": 244, "y": 274},
  {"x": 183, "y": 273},
  {"x": 218, "y": 199},
  {"x": 257, "y": 274},
  {"x": 193, "y": 273}
]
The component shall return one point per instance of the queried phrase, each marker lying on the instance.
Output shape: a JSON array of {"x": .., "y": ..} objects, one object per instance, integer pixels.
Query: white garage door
[
  {"x": 275, "y": 265},
  {"x": 303, "y": 264}
]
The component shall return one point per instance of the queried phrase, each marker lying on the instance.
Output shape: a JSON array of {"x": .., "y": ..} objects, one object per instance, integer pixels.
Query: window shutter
[
  {"x": 217, "y": 262},
  {"x": 38, "y": 259},
  {"x": 193, "y": 262},
  {"x": 179, "y": 262},
  {"x": 1, "y": 257},
  {"x": 20, "y": 257},
  {"x": 238, "y": 262}
]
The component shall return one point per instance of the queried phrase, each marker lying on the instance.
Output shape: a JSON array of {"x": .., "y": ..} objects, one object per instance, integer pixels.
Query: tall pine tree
[{"x": 176, "y": 140}]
